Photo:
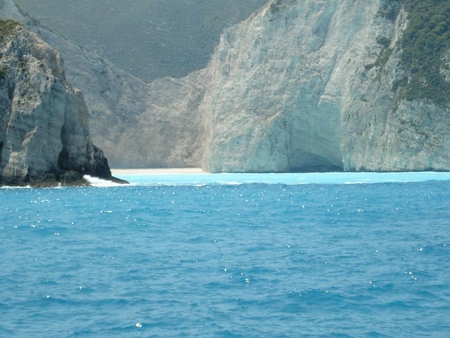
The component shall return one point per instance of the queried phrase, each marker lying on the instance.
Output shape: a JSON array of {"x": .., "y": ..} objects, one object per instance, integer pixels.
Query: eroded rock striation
[
  {"x": 301, "y": 85},
  {"x": 317, "y": 85},
  {"x": 44, "y": 129}
]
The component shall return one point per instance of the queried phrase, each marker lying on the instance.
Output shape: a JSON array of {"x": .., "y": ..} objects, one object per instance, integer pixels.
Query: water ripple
[{"x": 226, "y": 261}]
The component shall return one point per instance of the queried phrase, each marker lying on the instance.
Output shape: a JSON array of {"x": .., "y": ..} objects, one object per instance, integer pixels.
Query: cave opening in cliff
[
  {"x": 302, "y": 161},
  {"x": 321, "y": 168}
]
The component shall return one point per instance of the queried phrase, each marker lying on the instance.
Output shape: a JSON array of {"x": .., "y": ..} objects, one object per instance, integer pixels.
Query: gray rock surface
[
  {"x": 137, "y": 124},
  {"x": 299, "y": 86},
  {"x": 44, "y": 129}
]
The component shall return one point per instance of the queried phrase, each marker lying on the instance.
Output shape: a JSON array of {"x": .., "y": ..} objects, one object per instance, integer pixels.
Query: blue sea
[{"x": 293, "y": 255}]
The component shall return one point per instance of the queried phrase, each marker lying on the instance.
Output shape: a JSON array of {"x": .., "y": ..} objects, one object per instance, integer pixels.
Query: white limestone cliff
[{"x": 290, "y": 90}]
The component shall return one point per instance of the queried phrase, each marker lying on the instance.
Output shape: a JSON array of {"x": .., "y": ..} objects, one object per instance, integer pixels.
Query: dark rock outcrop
[{"x": 44, "y": 129}]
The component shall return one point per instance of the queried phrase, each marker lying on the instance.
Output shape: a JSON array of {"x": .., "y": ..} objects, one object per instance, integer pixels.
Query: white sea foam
[
  {"x": 204, "y": 179},
  {"x": 97, "y": 182},
  {"x": 15, "y": 187}
]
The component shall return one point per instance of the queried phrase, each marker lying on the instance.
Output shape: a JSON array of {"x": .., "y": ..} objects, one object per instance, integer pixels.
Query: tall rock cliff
[
  {"x": 137, "y": 124},
  {"x": 44, "y": 130},
  {"x": 301, "y": 85},
  {"x": 316, "y": 85}
]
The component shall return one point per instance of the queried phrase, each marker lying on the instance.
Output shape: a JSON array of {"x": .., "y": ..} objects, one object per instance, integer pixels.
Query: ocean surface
[{"x": 295, "y": 255}]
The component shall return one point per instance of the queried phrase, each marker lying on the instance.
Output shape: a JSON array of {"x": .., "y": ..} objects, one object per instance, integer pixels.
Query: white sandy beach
[{"x": 164, "y": 171}]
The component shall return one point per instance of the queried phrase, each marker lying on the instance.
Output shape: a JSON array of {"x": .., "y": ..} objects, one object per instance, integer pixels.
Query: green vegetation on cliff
[
  {"x": 425, "y": 46},
  {"x": 6, "y": 27},
  {"x": 425, "y": 42}
]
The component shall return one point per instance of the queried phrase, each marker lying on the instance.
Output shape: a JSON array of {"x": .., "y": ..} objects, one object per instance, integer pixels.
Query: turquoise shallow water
[{"x": 224, "y": 256}]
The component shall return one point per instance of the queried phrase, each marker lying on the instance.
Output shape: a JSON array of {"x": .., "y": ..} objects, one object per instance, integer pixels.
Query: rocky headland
[{"x": 44, "y": 128}]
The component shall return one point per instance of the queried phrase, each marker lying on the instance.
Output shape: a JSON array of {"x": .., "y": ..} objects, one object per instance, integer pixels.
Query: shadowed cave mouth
[
  {"x": 98, "y": 166},
  {"x": 306, "y": 162},
  {"x": 317, "y": 169}
]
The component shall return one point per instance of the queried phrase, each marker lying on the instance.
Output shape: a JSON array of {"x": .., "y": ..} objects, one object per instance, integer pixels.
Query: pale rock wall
[
  {"x": 278, "y": 86},
  {"x": 290, "y": 90}
]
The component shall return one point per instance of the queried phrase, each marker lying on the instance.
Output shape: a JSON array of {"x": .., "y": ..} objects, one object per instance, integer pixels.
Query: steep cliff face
[
  {"x": 302, "y": 85},
  {"x": 319, "y": 85},
  {"x": 137, "y": 124},
  {"x": 44, "y": 131},
  {"x": 394, "y": 120}
]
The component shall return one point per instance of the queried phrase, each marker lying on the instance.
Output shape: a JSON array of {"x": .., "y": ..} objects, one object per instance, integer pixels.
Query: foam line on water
[{"x": 287, "y": 179}]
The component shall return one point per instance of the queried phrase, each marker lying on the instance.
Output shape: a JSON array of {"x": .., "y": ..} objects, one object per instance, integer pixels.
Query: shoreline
[{"x": 158, "y": 171}]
